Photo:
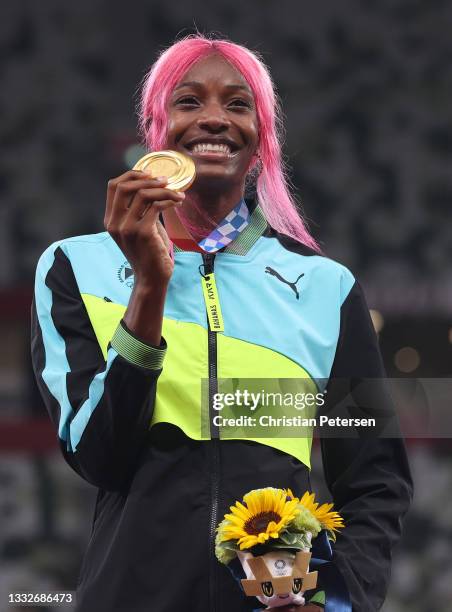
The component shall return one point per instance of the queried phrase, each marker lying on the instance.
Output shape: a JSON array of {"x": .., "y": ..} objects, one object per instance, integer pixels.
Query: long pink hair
[{"x": 273, "y": 194}]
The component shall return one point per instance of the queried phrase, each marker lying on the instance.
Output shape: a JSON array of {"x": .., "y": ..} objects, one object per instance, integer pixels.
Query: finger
[
  {"x": 163, "y": 235},
  {"x": 125, "y": 190},
  {"x": 156, "y": 197},
  {"x": 135, "y": 188},
  {"x": 125, "y": 196},
  {"x": 113, "y": 183},
  {"x": 133, "y": 225},
  {"x": 151, "y": 217},
  {"x": 157, "y": 207},
  {"x": 130, "y": 177},
  {"x": 150, "y": 225}
]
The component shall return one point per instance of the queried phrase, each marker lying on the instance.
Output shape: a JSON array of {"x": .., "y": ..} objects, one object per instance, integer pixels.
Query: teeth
[{"x": 202, "y": 147}]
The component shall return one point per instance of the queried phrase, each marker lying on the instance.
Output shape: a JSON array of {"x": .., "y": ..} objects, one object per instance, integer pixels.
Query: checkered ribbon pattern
[{"x": 227, "y": 230}]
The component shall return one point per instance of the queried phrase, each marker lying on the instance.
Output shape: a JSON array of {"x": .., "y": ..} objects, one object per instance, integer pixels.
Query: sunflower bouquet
[{"x": 270, "y": 532}]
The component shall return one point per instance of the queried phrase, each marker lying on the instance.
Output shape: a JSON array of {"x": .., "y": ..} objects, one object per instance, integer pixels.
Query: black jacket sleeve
[
  {"x": 368, "y": 475},
  {"x": 101, "y": 408}
]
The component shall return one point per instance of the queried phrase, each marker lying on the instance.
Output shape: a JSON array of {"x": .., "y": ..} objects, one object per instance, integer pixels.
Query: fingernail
[{"x": 162, "y": 178}]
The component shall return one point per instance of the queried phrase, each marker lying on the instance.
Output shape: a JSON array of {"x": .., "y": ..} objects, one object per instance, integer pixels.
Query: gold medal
[{"x": 177, "y": 167}]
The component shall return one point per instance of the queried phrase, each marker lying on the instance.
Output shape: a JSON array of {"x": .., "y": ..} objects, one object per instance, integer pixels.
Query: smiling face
[{"x": 212, "y": 118}]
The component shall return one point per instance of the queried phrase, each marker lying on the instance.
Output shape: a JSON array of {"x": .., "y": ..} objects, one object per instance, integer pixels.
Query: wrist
[
  {"x": 144, "y": 314},
  {"x": 144, "y": 288}
]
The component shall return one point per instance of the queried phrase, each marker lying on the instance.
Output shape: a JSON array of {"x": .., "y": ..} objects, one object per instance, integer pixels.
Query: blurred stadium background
[{"x": 366, "y": 87}]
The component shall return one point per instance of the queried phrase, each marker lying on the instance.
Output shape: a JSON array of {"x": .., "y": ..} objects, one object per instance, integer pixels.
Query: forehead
[{"x": 214, "y": 70}]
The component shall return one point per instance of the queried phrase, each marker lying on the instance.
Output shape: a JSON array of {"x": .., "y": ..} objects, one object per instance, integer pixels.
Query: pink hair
[{"x": 272, "y": 189}]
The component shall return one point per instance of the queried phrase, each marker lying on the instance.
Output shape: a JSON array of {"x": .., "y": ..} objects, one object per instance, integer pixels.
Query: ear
[
  {"x": 261, "y": 573},
  {"x": 301, "y": 562},
  {"x": 301, "y": 567},
  {"x": 255, "y": 167}
]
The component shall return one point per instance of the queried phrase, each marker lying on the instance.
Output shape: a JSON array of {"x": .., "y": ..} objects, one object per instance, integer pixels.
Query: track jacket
[{"x": 128, "y": 415}]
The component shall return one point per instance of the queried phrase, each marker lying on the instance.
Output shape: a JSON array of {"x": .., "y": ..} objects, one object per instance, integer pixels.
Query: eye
[
  {"x": 267, "y": 589},
  {"x": 187, "y": 101},
  {"x": 296, "y": 588},
  {"x": 240, "y": 103}
]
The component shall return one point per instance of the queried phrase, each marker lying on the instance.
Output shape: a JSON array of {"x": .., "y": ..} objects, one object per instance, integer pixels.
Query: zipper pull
[{"x": 210, "y": 292}]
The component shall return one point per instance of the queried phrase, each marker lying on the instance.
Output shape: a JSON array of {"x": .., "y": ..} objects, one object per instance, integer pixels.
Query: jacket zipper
[{"x": 213, "y": 447}]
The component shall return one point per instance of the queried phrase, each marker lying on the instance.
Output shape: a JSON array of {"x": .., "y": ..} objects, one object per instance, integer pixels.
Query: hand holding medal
[
  {"x": 134, "y": 202},
  {"x": 180, "y": 172}
]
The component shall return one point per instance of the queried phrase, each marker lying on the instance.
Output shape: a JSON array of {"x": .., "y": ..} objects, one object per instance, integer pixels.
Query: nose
[{"x": 213, "y": 118}]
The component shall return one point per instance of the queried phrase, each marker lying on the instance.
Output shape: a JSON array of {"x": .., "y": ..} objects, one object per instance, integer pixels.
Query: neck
[{"x": 203, "y": 210}]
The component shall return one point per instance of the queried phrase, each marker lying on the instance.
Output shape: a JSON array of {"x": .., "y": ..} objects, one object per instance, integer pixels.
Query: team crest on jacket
[{"x": 125, "y": 275}]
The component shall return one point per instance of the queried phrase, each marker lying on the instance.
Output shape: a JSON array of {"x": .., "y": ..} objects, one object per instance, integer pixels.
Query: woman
[{"x": 113, "y": 357}]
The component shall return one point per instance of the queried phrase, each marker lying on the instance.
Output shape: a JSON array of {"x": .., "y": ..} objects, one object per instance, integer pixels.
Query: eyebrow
[{"x": 198, "y": 84}]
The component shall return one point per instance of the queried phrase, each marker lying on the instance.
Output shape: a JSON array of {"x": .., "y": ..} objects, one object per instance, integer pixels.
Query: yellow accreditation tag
[{"x": 209, "y": 288}]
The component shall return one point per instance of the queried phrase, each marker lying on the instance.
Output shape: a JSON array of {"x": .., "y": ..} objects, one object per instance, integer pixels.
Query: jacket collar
[{"x": 248, "y": 236}]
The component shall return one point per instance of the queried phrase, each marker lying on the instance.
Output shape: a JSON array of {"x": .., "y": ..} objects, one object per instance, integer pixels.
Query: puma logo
[{"x": 293, "y": 285}]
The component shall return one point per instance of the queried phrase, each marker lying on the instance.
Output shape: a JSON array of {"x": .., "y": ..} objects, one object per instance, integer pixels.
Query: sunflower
[
  {"x": 263, "y": 515},
  {"x": 290, "y": 495},
  {"x": 331, "y": 521}
]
